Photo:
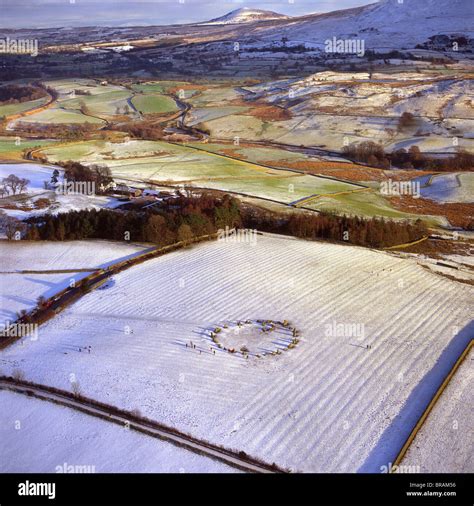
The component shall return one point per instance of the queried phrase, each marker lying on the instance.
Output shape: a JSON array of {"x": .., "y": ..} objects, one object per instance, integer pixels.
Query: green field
[
  {"x": 154, "y": 104},
  {"x": 165, "y": 162},
  {"x": 283, "y": 189},
  {"x": 8, "y": 110},
  {"x": 101, "y": 104},
  {"x": 367, "y": 204},
  {"x": 255, "y": 154},
  {"x": 202, "y": 115},
  {"x": 160, "y": 86},
  {"x": 215, "y": 96},
  {"x": 100, "y": 100},
  {"x": 10, "y": 150},
  {"x": 57, "y": 115},
  {"x": 246, "y": 127}
]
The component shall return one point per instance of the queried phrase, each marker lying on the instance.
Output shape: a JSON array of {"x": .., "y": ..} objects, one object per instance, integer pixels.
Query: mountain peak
[{"x": 245, "y": 15}]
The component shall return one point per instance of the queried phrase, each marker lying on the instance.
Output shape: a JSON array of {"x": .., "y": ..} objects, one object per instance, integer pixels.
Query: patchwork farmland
[{"x": 197, "y": 165}]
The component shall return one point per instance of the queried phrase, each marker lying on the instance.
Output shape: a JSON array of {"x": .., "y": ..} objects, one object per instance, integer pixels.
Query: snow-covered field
[
  {"x": 40, "y": 437},
  {"x": 450, "y": 187},
  {"x": 378, "y": 334},
  {"x": 445, "y": 441},
  {"x": 331, "y": 108},
  {"x": 34, "y": 172},
  {"x": 38, "y": 174},
  {"x": 20, "y": 290}
]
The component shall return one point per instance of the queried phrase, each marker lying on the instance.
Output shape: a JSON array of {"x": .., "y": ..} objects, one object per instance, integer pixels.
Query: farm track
[
  {"x": 311, "y": 198},
  {"x": 145, "y": 426},
  {"x": 407, "y": 244},
  {"x": 23, "y": 197}
]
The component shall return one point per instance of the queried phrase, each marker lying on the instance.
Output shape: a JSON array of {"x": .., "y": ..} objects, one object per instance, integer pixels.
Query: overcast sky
[{"x": 60, "y": 13}]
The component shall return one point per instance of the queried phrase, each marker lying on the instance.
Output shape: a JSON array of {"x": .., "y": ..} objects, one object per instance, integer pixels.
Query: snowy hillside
[
  {"x": 386, "y": 23},
  {"x": 245, "y": 15}
]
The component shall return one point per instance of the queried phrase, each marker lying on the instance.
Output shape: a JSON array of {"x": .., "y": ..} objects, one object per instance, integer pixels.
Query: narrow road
[{"x": 239, "y": 460}]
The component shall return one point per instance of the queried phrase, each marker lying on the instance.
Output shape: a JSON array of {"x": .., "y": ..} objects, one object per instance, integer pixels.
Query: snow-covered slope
[
  {"x": 337, "y": 402},
  {"x": 386, "y": 23},
  {"x": 440, "y": 445},
  {"x": 57, "y": 439},
  {"x": 245, "y": 15}
]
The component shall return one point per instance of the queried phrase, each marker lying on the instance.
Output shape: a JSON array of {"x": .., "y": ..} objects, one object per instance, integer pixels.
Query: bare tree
[
  {"x": 23, "y": 185},
  {"x": 15, "y": 184},
  {"x": 41, "y": 301},
  {"x": 12, "y": 183}
]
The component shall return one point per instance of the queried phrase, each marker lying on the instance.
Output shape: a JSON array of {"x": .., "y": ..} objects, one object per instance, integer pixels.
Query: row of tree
[
  {"x": 374, "y": 232},
  {"x": 78, "y": 131},
  {"x": 181, "y": 220},
  {"x": 101, "y": 175},
  {"x": 373, "y": 154},
  {"x": 14, "y": 94},
  {"x": 148, "y": 130},
  {"x": 187, "y": 217}
]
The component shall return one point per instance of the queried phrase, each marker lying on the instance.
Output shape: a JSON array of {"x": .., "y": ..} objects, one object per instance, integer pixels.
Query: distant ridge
[{"x": 245, "y": 15}]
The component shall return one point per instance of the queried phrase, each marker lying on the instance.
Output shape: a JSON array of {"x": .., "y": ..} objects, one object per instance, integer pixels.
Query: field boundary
[
  {"x": 132, "y": 420},
  {"x": 266, "y": 166},
  {"x": 407, "y": 244},
  {"x": 34, "y": 110},
  {"x": 431, "y": 405},
  {"x": 305, "y": 200}
]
